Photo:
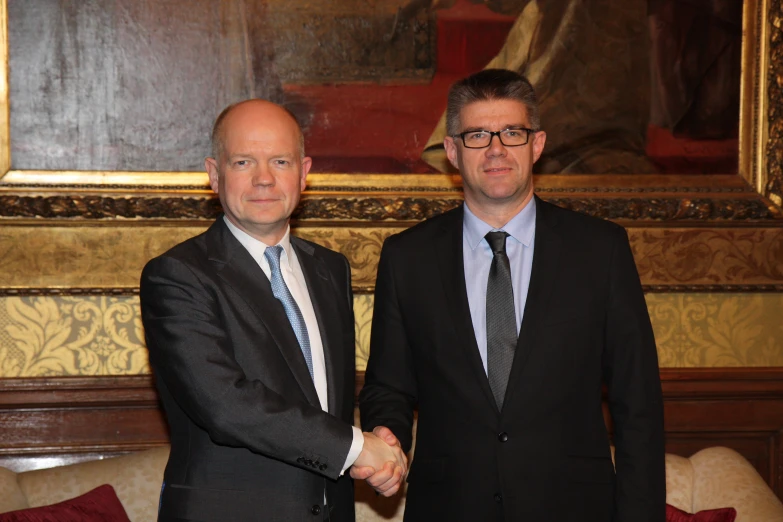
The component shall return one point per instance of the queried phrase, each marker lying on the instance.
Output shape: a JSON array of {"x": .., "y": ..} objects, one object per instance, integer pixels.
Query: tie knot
[
  {"x": 272, "y": 255},
  {"x": 497, "y": 241}
]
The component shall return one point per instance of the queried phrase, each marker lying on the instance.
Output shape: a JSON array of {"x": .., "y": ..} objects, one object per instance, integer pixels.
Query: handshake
[{"x": 381, "y": 463}]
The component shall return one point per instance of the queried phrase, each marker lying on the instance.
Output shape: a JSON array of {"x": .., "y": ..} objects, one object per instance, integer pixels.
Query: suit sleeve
[
  {"x": 389, "y": 394},
  {"x": 191, "y": 353},
  {"x": 630, "y": 366}
]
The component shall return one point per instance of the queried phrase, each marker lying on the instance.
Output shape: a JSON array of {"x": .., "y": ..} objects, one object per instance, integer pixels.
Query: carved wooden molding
[
  {"x": 774, "y": 163},
  {"x": 67, "y": 291},
  {"x": 379, "y": 209},
  {"x": 54, "y": 421}
]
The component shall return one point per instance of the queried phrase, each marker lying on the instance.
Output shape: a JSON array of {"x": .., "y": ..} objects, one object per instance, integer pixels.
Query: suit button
[
  {"x": 300, "y": 460},
  {"x": 503, "y": 437},
  {"x": 315, "y": 510},
  {"x": 498, "y": 498},
  {"x": 322, "y": 467}
]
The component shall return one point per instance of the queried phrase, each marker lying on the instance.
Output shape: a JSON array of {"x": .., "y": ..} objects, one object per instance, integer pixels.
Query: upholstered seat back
[
  {"x": 712, "y": 478},
  {"x": 136, "y": 478}
]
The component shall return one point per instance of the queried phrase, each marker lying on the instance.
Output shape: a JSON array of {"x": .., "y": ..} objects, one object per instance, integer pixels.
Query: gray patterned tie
[
  {"x": 281, "y": 292},
  {"x": 502, "y": 332}
]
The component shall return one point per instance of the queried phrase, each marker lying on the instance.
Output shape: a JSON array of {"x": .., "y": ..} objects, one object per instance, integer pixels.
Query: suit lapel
[
  {"x": 321, "y": 290},
  {"x": 237, "y": 268},
  {"x": 546, "y": 262},
  {"x": 448, "y": 246}
]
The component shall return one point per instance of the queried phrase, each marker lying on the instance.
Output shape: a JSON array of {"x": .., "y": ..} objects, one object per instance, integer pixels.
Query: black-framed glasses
[{"x": 510, "y": 137}]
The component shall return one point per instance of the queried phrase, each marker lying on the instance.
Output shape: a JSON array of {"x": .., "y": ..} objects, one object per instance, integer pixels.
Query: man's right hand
[{"x": 381, "y": 462}]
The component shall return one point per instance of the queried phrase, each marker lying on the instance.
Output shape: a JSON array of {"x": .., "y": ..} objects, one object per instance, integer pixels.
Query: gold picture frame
[
  {"x": 709, "y": 248},
  {"x": 655, "y": 208}
]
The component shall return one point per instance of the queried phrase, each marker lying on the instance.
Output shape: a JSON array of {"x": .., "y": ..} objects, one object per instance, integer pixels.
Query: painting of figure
[
  {"x": 134, "y": 85},
  {"x": 628, "y": 87}
]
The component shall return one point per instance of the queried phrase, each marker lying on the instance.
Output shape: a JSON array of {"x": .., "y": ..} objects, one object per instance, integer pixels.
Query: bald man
[{"x": 251, "y": 338}]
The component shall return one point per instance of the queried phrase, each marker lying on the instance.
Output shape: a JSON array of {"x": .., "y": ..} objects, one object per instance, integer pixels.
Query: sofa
[{"x": 712, "y": 478}]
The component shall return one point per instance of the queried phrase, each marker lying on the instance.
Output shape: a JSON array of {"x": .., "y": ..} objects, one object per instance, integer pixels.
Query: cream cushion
[
  {"x": 712, "y": 478},
  {"x": 136, "y": 478},
  {"x": 723, "y": 478}
]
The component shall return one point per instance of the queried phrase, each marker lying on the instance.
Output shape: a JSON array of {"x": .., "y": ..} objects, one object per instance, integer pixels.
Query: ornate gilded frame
[{"x": 728, "y": 213}]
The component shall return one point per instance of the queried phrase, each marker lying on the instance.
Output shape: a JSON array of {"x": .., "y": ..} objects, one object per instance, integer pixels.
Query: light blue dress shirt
[{"x": 477, "y": 256}]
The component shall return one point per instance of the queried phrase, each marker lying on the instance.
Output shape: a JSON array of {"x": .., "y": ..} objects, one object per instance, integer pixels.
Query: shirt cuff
[{"x": 356, "y": 449}]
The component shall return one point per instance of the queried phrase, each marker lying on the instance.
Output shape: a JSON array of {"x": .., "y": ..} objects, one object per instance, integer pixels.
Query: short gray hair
[{"x": 486, "y": 85}]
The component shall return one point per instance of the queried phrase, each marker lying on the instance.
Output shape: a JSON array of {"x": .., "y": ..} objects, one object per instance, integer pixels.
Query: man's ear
[
  {"x": 307, "y": 163},
  {"x": 451, "y": 151},
  {"x": 539, "y": 140},
  {"x": 212, "y": 169}
]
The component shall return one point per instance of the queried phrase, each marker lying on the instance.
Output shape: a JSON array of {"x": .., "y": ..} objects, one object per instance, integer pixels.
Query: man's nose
[
  {"x": 495, "y": 147},
  {"x": 263, "y": 177}
]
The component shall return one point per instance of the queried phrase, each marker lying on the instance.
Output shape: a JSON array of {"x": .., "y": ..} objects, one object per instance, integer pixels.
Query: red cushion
[
  {"x": 99, "y": 505},
  {"x": 708, "y": 515}
]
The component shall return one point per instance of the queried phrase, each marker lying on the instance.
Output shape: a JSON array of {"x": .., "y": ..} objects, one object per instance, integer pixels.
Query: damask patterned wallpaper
[
  {"x": 102, "y": 335},
  {"x": 54, "y": 336}
]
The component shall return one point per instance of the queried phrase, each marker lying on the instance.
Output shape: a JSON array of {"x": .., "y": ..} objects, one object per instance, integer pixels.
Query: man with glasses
[{"x": 500, "y": 322}]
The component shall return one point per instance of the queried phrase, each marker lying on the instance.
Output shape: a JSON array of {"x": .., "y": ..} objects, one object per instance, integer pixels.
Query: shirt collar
[
  {"x": 521, "y": 227},
  {"x": 256, "y": 247}
]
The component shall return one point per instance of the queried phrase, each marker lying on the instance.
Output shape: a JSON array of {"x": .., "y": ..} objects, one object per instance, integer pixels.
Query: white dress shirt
[{"x": 295, "y": 281}]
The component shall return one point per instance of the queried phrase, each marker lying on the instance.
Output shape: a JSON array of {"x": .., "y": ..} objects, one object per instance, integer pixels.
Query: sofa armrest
[
  {"x": 679, "y": 482},
  {"x": 723, "y": 478},
  {"x": 11, "y": 495}
]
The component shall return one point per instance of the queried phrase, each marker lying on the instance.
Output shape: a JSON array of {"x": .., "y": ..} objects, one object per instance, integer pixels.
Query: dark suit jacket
[
  {"x": 249, "y": 440},
  {"x": 547, "y": 455}
]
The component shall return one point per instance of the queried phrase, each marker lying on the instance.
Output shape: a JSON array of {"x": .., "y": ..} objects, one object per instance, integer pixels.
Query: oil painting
[{"x": 134, "y": 85}]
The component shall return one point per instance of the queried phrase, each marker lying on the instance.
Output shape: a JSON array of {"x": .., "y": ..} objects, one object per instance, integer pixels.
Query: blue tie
[{"x": 281, "y": 292}]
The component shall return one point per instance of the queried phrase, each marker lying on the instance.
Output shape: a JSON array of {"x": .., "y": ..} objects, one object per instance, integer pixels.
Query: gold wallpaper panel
[
  {"x": 47, "y": 336},
  {"x": 56, "y": 336},
  {"x": 699, "y": 256},
  {"x": 362, "y": 311},
  {"x": 113, "y": 256},
  {"x": 82, "y": 257},
  {"x": 714, "y": 330},
  {"x": 362, "y": 247},
  {"x": 102, "y": 335}
]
